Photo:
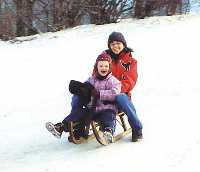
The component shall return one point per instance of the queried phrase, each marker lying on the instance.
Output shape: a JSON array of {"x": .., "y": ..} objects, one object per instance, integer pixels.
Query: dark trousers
[
  {"x": 124, "y": 103},
  {"x": 106, "y": 118}
]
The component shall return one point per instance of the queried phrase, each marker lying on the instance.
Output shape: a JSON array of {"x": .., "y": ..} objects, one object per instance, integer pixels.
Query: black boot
[
  {"x": 79, "y": 131},
  {"x": 59, "y": 127},
  {"x": 136, "y": 135},
  {"x": 65, "y": 126},
  {"x": 55, "y": 129}
]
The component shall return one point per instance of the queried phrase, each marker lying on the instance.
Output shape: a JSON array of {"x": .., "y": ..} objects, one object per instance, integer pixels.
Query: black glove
[
  {"x": 81, "y": 89},
  {"x": 74, "y": 87}
]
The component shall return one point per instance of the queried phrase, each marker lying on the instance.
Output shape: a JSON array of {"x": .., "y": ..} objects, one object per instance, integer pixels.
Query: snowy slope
[{"x": 34, "y": 78}]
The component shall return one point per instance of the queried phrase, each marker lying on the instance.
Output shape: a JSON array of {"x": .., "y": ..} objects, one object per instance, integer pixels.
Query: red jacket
[{"x": 125, "y": 70}]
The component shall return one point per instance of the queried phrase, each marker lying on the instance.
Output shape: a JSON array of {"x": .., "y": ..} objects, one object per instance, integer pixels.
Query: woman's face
[
  {"x": 116, "y": 47},
  {"x": 103, "y": 68}
]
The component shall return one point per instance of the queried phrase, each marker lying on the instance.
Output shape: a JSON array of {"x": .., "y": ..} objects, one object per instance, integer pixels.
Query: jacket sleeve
[
  {"x": 110, "y": 93},
  {"x": 129, "y": 77}
]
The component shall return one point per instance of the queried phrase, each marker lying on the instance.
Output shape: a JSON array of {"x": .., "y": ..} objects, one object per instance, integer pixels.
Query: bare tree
[
  {"x": 27, "y": 17},
  {"x": 106, "y": 11},
  {"x": 24, "y": 17},
  {"x": 60, "y": 14},
  {"x": 20, "y": 27},
  {"x": 57, "y": 7},
  {"x": 28, "y": 21},
  {"x": 139, "y": 9},
  {"x": 6, "y": 21},
  {"x": 42, "y": 16},
  {"x": 148, "y": 8},
  {"x": 74, "y": 10},
  {"x": 0, "y": 7},
  {"x": 6, "y": 25}
]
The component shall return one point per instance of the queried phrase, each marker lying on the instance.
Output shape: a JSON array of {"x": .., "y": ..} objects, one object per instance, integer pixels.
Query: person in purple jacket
[{"x": 102, "y": 105}]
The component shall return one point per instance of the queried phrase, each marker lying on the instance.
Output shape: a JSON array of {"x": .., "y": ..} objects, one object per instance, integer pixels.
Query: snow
[{"x": 35, "y": 72}]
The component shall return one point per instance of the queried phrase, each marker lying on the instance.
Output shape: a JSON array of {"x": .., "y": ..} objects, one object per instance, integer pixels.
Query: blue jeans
[
  {"x": 77, "y": 110},
  {"x": 126, "y": 105}
]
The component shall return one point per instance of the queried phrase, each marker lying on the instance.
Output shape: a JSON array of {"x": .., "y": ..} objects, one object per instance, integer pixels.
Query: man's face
[{"x": 116, "y": 47}]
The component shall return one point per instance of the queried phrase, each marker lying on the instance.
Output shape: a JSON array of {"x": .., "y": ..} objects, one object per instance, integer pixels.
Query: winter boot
[
  {"x": 79, "y": 131},
  {"x": 55, "y": 129},
  {"x": 137, "y": 135},
  {"x": 108, "y": 135}
]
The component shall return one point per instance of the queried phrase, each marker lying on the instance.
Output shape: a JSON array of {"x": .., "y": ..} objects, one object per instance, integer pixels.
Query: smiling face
[
  {"x": 103, "y": 68},
  {"x": 116, "y": 47}
]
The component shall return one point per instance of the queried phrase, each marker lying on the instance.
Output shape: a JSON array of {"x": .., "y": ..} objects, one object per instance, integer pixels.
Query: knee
[
  {"x": 121, "y": 97},
  {"x": 76, "y": 102}
]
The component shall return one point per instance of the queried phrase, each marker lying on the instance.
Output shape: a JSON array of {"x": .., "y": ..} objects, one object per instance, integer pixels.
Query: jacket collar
[
  {"x": 99, "y": 77},
  {"x": 117, "y": 57}
]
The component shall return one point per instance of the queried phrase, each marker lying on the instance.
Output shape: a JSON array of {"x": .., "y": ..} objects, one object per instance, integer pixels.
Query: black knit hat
[{"x": 116, "y": 36}]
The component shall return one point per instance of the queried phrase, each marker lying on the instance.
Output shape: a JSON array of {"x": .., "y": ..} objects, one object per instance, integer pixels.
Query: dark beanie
[{"x": 116, "y": 36}]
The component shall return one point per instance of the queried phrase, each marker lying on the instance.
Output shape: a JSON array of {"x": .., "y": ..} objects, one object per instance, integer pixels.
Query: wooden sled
[{"x": 94, "y": 132}]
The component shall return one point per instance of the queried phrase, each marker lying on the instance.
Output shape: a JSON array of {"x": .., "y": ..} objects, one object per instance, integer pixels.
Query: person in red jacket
[{"x": 124, "y": 68}]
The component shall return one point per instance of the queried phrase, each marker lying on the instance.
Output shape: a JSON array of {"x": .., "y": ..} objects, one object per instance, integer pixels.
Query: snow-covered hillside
[{"x": 34, "y": 77}]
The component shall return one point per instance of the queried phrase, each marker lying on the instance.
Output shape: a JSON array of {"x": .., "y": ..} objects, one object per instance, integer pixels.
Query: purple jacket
[{"x": 108, "y": 88}]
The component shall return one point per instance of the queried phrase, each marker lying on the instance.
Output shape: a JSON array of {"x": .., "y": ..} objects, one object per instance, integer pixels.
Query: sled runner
[{"x": 93, "y": 131}]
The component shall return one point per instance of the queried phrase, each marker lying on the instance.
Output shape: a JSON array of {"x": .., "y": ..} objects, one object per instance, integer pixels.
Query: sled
[{"x": 93, "y": 130}]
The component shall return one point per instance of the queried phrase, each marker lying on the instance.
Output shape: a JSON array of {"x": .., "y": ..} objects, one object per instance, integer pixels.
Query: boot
[
  {"x": 137, "y": 135},
  {"x": 55, "y": 129},
  {"x": 106, "y": 136},
  {"x": 79, "y": 131}
]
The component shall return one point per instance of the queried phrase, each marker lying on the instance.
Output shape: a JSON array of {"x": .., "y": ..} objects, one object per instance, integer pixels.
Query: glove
[
  {"x": 81, "y": 89},
  {"x": 77, "y": 88}
]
